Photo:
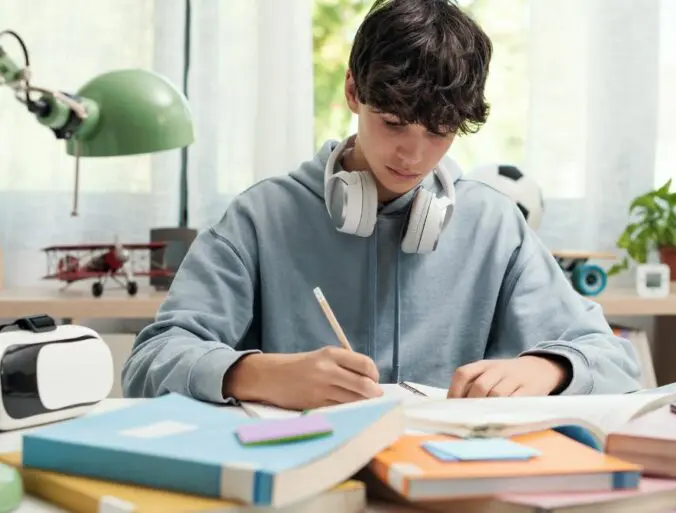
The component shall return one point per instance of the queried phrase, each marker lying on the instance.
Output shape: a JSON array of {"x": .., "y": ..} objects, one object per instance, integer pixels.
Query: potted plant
[{"x": 652, "y": 228}]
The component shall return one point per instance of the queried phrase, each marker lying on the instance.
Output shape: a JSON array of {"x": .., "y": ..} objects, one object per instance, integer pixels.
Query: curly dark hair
[{"x": 424, "y": 61}]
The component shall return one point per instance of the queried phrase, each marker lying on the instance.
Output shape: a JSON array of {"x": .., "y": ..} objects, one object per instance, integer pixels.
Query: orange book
[{"x": 562, "y": 465}]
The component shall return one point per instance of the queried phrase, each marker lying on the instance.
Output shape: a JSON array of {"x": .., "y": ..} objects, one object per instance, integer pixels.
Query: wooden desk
[
  {"x": 79, "y": 303},
  {"x": 626, "y": 303},
  {"x": 75, "y": 304}
]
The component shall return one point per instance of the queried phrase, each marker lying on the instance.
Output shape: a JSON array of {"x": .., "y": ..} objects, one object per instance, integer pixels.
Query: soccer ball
[{"x": 521, "y": 188}]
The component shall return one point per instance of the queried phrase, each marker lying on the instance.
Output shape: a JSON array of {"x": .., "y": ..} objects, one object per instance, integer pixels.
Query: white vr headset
[
  {"x": 351, "y": 199},
  {"x": 50, "y": 373}
]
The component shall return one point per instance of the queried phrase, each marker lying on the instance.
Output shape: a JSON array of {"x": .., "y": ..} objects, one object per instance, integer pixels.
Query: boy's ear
[{"x": 351, "y": 92}]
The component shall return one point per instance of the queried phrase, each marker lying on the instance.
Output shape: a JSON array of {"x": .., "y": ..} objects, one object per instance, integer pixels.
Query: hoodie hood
[{"x": 311, "y": 175}]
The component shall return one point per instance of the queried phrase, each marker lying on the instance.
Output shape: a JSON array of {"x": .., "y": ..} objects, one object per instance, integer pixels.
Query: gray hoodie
[{"x": 491, "y": 289}]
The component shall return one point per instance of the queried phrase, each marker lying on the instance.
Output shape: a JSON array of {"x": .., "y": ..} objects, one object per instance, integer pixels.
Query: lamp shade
[{"x": 137, "y": 111}]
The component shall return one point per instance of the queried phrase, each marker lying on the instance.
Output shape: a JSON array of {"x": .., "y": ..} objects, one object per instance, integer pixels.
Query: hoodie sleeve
[
  {"x": 541, "y": 314},
  {"x": 197, "y": 332}
]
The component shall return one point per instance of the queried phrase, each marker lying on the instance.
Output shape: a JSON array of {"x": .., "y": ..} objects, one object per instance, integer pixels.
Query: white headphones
[{"x": 351, "y": 199}]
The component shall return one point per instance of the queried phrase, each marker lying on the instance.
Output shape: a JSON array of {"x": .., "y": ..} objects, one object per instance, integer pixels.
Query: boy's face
[{"x": 399, "y": 156}]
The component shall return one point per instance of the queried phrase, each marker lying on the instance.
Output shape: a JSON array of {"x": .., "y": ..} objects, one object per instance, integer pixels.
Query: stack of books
[
  {"x": 572, "y": 454},
  {"x": 501, "y": 455},
  {"x": 174, "y": 453}
]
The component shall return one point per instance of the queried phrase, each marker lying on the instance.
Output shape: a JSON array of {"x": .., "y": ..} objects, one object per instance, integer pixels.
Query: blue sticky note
[
  {"x": 438, "y": 453},
  {"x": 479, "y": 449}
]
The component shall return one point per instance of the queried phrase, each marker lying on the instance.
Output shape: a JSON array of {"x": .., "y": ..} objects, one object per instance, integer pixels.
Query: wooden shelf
[
  {"x": 116, "y": 304},
  {"x": 626, "y": 302},
  {"x": 79, "y": 303}
]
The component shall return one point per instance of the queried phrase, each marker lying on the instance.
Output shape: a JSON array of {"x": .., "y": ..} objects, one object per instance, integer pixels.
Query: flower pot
[{"x": 668, "y": 257}]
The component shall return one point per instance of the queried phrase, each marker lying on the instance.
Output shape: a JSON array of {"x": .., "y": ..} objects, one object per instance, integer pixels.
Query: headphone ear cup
[
  {"x": 424, "y": 224},
  {"x": 353, "y": 202},
  {"x": 369, "y": 206},
  {"x": 410, "y": 242},
  {"x": 432, "y": 227}
]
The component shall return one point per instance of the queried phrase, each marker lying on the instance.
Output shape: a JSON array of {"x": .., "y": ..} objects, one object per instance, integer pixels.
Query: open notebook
[
  {"x": 598, "y": 415},
  {"x": 408, "y": 391}
]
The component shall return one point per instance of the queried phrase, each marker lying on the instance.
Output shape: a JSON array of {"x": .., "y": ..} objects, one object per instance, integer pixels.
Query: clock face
[{"x": 653, "y": 280}]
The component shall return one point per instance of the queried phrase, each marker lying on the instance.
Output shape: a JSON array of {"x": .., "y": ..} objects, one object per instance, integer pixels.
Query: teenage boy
[{"x": 434, "y": 278}]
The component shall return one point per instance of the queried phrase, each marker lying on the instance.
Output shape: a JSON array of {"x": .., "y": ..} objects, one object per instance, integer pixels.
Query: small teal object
[
  {"x": 11, "y": 488},
  {"x": 589, "y": 279},
  {"x": 480, "y": 449},
  {"x": 580, "y": 434}
]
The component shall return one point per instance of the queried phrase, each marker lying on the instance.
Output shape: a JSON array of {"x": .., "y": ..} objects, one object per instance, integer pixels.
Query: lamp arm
[{"x": 65, "y": 114}]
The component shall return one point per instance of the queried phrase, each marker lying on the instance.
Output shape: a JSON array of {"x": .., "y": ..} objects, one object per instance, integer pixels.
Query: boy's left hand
[{"x": 527, "y": 375}]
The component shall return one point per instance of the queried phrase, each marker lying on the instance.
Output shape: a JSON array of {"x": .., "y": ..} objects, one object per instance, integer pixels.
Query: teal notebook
[{"x": 177, "y": 443}]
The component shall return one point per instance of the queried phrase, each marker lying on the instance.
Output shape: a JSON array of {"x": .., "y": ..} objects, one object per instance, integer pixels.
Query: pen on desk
[{"x": 332, "y": 319}]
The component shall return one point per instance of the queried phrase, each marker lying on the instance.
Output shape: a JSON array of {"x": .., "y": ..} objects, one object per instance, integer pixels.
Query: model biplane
[{"x": 122, "y": 263}]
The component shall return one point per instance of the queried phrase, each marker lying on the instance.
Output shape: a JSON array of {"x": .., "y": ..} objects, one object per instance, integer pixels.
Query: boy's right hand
[{"x": 299, "y": 381}]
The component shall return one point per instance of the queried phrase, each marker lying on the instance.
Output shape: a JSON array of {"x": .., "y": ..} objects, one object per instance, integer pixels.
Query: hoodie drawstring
[
  {"x": 396, "y": 373},
  {"x": 395, "y": 349},
  {"x": 371, "y": 350},
  {"x": 374, "y": 316}
]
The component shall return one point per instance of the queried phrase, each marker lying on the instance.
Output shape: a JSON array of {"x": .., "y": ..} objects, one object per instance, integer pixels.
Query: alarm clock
[
  {"x": 653, "y": 280},
  {"x": 50, "y": 373}
]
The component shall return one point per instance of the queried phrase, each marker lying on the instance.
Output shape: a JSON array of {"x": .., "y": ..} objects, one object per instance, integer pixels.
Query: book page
[
  {"x": 606, "y": 412},
  {"x": 396, "y": 391},
  {"x": 390, "y": 391},
  {"x": 429, "y": 391},
  {"x": 266, "y": 411},
  {"x": 407, "y": 392}
]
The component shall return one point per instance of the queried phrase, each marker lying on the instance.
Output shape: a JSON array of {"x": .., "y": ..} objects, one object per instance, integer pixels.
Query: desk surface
[
  {"x": 79, "y": 303},
  {"x": 621, "y": 302},
  {"x": 116, "y": 304},
  {"x": 11, "y": 442}
]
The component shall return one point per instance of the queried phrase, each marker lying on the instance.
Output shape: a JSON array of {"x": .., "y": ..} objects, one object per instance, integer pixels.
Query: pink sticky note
[{"x": 284, "y": 430}]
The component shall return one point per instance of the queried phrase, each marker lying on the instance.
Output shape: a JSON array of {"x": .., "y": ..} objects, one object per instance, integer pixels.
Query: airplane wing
[
  {"x": 155, "y": 273},
  {"x": 147, "y": 245},
  {"x": 83, "y": 275},
  {"x": 74, "y": 275},
  {"x": 78, "y": 247},
  {"x": 94, "y": 247}
]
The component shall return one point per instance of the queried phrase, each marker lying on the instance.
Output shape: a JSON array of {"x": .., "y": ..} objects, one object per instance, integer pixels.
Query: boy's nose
[{"x": 410, "y": 154}]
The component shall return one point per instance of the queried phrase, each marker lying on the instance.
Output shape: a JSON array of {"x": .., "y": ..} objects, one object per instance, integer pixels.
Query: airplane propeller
[{"x": 123, "y": 256}]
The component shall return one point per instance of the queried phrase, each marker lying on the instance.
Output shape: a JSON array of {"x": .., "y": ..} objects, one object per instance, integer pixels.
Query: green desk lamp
[{"x": 125, "y": 112}]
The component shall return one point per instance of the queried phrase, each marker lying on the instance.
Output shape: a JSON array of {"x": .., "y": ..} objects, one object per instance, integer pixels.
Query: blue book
[{"x": 177, "y": 443}]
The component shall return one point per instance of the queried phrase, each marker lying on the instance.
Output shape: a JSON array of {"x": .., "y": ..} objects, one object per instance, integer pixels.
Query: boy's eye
[{"x": 393, "y": 122}]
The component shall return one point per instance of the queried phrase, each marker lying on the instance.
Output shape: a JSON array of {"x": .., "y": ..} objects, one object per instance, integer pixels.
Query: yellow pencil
[{"x": 332, "y": 319}]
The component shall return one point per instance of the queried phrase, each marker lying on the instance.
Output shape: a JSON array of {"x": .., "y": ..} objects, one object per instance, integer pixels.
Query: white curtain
[
  {"x": 250, "y": 90},
  {"x": 601, "y": 112}
]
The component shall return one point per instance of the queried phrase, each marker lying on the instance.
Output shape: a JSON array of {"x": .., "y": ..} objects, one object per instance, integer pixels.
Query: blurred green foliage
[{"x": 334, "y": 25}]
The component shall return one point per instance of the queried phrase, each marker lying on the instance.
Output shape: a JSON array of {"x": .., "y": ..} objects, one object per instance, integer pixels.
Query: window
[
  {"x": 334, "y": 23},
  {"x": 503, "y": 136},
  {"x": 665, "y": 161}
]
